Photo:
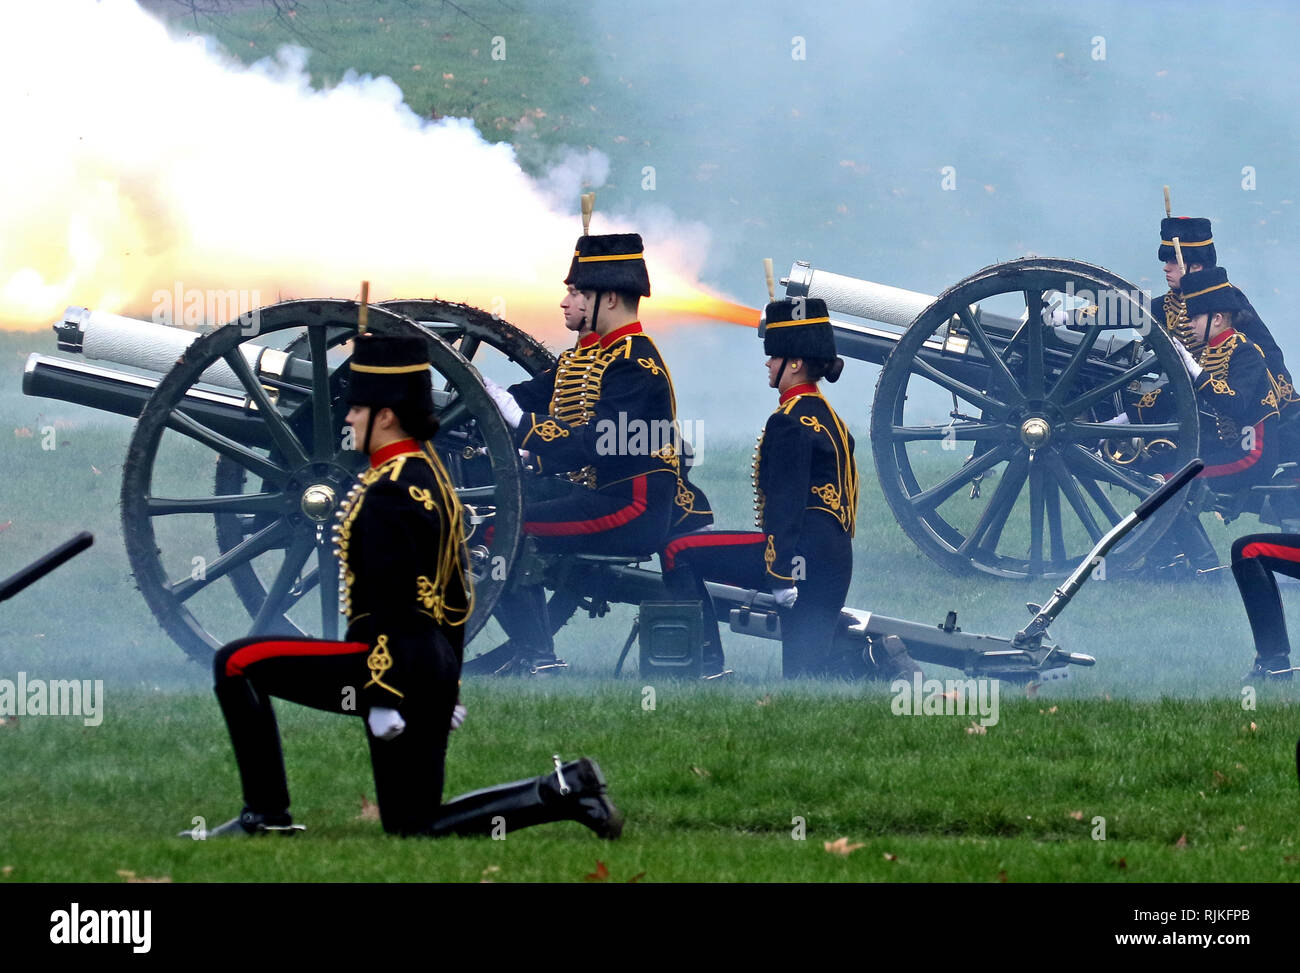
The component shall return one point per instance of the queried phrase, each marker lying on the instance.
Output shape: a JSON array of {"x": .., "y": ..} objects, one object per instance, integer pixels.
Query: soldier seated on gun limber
[
  {"x": 632, "y": 494},
  {"x": 1235, "y": 395}
]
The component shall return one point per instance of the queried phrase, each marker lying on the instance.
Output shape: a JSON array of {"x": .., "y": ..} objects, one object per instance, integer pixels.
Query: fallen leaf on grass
[
  {"x": 369, "y": 810},
  {"x": 1052, "y": 710},
  {"x": 1077, "y": 815},
  {"x": 1002, "y": 876},
  {"x": 483, "y": 877},
  {"x": 765, "y": 701},
  {"x": 1122, "y": 863},
  {"x": 96, "y": 471},
  {"x": 636, "y": 878},
  {"x": 8, "y": 721},
  {"x": 1181, "y": 842},
  {"x": 700, "y": 772},
  {"x": 890, "y": 857},
  {"x": 841, "y": 846},
  {"x": 1241, "y": 827},
  {"x": 133, "y": 879},
  {"x": 599, "y": 875},
  {"x": 976, "y": 729},
  {"x": 7, "y": 871},
  {"x": 1253, "y": 727},
  {"x": 1291, "y": 859}
]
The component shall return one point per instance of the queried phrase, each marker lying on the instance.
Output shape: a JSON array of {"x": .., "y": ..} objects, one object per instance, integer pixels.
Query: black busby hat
[
  {"x": 390, "y": 370},
  {"x": 611, "y": 262},
  {"x": 1194, "y": 237},
  {"x": 573, "y": 264},
  {"x": 1208, "y": 290},
  {"x": 798, "y": 328}
]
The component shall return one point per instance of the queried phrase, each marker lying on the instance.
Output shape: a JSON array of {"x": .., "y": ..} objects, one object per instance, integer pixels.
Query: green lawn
[{"x": 712, "y": 780}]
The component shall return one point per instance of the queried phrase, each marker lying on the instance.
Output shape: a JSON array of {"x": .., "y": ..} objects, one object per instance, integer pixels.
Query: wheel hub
[
  {"x": 318, "y": 502},
  {"x": 1035, "y": 432}
]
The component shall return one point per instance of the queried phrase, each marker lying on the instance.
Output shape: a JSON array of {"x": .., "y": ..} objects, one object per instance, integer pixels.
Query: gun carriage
[{"x": 258, "y": 406}]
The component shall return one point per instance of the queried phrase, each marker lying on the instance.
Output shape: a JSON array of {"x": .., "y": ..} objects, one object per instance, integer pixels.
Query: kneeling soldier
[
  {"x": 806, "y": 498},
  {"x": 406, "y": 594}
]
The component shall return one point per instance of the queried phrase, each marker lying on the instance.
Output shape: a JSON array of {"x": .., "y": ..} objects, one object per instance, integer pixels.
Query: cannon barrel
[
  {"x": 124, "y": 394},
  {"x": 952, "y": 352},
  {"x": 103, "y": 336}
]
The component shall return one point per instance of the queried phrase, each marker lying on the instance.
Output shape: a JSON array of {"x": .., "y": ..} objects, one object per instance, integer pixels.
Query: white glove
[
  {"x": 785, "y": 597},
  {"x": 385, "y": 723},
  {"x": 1119, "y": 420},
  {"x": 505, "y": 402},
  {"x": 458, "y": 714},
  {"x": 1191, "y": 364}
]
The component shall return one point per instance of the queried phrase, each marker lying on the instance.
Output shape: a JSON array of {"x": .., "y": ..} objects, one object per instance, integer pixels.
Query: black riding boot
[
  {"x": 574, "y": 792},
  {"x": 523, "y": 613}
]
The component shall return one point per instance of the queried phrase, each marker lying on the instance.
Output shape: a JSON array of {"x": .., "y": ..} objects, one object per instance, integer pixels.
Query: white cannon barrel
[
  {"x": 154, "y": 347},
  {"x": 861, "y": 298}
]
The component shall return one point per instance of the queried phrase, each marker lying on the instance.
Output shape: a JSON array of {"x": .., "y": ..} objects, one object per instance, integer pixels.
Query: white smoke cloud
[{"x": 137, "y": 159}]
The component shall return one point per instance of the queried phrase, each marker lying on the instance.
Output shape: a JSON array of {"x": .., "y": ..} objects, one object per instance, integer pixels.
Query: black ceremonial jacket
[
  {"x": 1238, "y": 404},
  {"x": 631, "y": 429},
  {"x": 803, "y": 466},
  {"x": 402, "y": 578}
]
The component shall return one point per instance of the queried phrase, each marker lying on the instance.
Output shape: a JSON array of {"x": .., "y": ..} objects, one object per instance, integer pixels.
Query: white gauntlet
[
  {"x": 505, "y": 402},
  {"x": 385, "y": 723},
  {"x": 786, "y": 597},
  {"x": 1191, "y": 364}
]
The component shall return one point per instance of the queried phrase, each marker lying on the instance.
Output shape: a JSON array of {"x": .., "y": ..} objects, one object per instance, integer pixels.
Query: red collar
[
  {"x": 805, "y": 388},
  {"x": 588, "y": 339},
  {"x": 1221, "y": 337},
  {"x": 613, "y": 336},
  {"x": 382, "y": 455}
]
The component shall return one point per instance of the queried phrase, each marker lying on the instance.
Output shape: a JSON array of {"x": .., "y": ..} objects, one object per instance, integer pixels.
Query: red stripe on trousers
[
  {"x": 566, "y": 528},
  {"x": 1245, "y": 462},
  {"x": 244, "y": 657},
  {"x": 1282, "y": 553},
  {"x": 707, "y": 540}
]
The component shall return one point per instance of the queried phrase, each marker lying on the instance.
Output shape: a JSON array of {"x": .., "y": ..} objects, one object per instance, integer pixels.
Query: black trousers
[
  {"x": 326, "y": 675},
  {"x": 736, "y": 558},
  {"x": 632, "y": 517},
  {"x": 1255, "y": 560}
]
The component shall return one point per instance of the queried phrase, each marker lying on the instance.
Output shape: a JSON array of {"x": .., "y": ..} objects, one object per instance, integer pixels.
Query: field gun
[{"x": 265, "y": 397}]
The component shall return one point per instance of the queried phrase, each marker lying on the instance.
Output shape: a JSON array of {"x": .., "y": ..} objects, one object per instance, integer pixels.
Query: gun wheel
[
  {"x": 985, "y": 436},
  {"x": 285, "y": 465}
]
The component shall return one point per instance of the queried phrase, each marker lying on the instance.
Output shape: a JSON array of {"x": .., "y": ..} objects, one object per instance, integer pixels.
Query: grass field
[
  {"x": 1157, "y": 739},
  {"x": 712, "y": 780}
]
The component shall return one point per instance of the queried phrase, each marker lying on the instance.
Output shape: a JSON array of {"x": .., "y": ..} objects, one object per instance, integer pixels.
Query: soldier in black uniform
[
  {"x": 806, "y": 497},
  {"x": 612, "y": 421},
  {"x": 406, "y": 593},
  {"x": 1235, "y": 392},
  {"x": 1256, "y": 558},
  {"x": 1236, "y": 395},
  {"x": 1196, "y": 242}
]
